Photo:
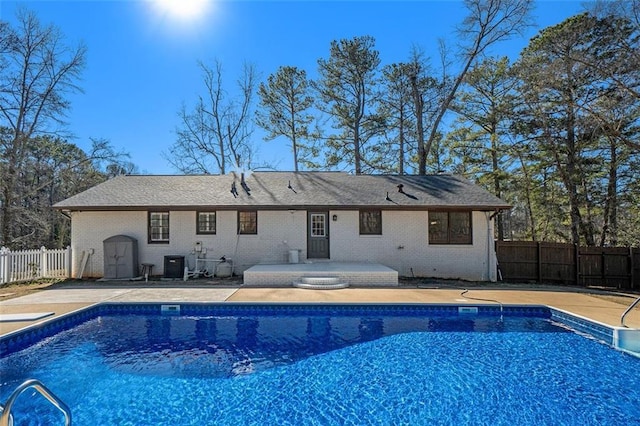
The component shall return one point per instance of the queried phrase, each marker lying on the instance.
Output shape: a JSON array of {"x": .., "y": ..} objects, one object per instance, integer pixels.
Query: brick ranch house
[{"x": 423, "y": 226}]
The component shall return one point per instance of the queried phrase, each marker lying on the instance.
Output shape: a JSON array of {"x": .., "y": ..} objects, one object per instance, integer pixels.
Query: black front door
[{"x": 318, "y": 235}]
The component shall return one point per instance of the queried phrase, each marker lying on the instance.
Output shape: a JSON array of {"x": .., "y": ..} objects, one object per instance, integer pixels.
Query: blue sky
[{"x": 142, "y": 61}]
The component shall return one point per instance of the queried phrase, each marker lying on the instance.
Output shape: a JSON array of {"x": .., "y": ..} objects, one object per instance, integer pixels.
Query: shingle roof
[{"x": 284, "y": 190}]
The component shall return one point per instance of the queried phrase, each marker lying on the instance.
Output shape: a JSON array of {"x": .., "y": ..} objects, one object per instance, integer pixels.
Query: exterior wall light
[{"x": 335, "y": 217}]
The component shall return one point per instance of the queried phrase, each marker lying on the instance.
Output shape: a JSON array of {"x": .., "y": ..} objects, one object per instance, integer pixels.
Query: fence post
[
  {"x": 603, "y": 262},
  {"x": 632, "y": 278},
  {"x": 3, "y": 265},
  {"x": 539, "y": 262},
  {"x": 576, "y": 257},
  {"x": 44, "y": 266}
]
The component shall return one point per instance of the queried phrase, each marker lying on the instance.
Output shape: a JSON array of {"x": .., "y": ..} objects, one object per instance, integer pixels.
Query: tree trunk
[
  {"x": 497, "y": 188},
  {"x": 418, "y": 103},
  {"x": 610, "y": 216},
  {"x": 9, "y": 191},
  {"x": 401, "y": 143},
  {"x": 356, "y": 151},
  {"x": 294, "y": 133},
  {"x": 6, "y": 213}
]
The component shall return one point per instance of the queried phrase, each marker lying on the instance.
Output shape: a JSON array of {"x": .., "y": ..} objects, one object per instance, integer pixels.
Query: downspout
[{"x": 490, "y": 217}]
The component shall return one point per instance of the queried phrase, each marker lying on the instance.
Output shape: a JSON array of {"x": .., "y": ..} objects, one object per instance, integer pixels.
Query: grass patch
[{"x": 11, "y": 290}]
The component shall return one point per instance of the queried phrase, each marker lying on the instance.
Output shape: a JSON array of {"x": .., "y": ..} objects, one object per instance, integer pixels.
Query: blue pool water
[{"x": 324, "y": 366}]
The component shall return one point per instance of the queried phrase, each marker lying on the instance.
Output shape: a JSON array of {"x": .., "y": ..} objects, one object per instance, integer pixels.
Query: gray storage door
[{"x": 120, "y": 257}]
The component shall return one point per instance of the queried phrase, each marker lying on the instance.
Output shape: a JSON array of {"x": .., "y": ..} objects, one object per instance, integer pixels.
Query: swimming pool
[{"x": 320, "y": 365}]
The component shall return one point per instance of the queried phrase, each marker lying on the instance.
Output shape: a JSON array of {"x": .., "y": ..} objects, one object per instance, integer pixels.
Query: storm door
[{"x": 318, "y": 235}]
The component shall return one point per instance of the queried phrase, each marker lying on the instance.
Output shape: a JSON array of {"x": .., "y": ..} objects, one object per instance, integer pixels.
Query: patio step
[
  {"x": 357, "y": 274},
  {"x": 320, "y": 283}
]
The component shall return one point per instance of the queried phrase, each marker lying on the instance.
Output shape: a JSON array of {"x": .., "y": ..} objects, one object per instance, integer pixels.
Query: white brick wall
[{"x": 402, "y": 246}]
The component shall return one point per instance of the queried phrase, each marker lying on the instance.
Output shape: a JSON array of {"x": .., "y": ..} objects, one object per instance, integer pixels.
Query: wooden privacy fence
[
  {"x": 569, "y": 264},
  {"x": 27, "y": 265}
]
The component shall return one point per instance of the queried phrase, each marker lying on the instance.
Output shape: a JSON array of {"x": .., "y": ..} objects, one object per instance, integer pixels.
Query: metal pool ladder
[
  {"x": 633, "y": 305},
  {"x": 6, "y": 419}
]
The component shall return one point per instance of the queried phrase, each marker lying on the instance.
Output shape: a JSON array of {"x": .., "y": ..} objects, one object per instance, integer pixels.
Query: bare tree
[
  {"x": 488, "y": 22},
  {"x": 37, "y": 72},
  {"x": 218, "y": 130},
  {"x": 57, "y": 169}
]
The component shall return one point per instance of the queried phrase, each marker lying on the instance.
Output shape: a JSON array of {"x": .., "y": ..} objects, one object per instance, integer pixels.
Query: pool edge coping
[{"x": 590, "y": 328}]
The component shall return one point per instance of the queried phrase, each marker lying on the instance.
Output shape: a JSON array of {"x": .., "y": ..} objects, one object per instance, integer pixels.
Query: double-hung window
[
  {"x": 248, "y": 222},
  {"x": 158, "y": 227},
  {"x": 450, "y": 228},
  {"x": 370, "y": 222},
  {"x": 206, "y": 223}
]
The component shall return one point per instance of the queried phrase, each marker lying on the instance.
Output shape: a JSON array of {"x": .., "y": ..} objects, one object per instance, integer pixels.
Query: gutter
[{"x": 65, "y": 213}]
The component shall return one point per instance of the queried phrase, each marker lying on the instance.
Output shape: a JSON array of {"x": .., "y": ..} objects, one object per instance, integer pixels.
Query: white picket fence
[{"x": 27, "y": 265}]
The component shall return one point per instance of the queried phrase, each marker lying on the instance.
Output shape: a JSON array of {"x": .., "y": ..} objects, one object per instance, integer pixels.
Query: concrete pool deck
[{"x": 603, "y": 307}]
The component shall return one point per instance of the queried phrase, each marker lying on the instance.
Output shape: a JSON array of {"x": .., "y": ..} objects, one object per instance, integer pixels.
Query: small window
[
  {"x": 158, "y": 227},
  {"x": 460, "y": 228},
  {"x": 206, "y": 223},
  {"x": 370, "y": 222},
  {"x": 450, "y": 228},
  {"x": 248, "y": 222},
  {"x": 318, "y": 225}
]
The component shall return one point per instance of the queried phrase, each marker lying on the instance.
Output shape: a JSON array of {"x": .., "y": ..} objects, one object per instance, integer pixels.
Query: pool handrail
[
  {"x": 6, "y": 418},
  {"x": 633, "y": 305}
]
